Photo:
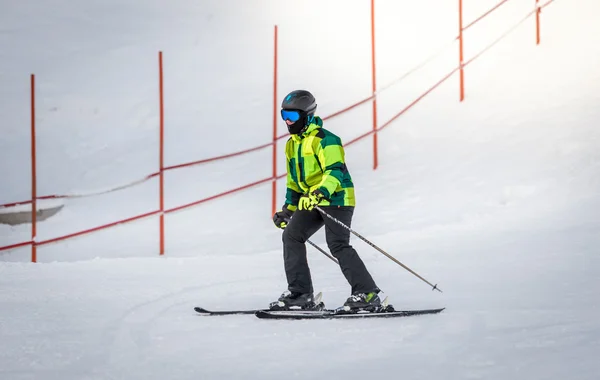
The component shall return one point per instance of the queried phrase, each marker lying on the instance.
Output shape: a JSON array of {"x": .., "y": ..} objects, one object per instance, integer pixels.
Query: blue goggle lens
[{"x": 292, "y": 116}]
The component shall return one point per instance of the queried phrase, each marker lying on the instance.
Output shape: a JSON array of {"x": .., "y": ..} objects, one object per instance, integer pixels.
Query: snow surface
[{"x": 495, "y": 199}]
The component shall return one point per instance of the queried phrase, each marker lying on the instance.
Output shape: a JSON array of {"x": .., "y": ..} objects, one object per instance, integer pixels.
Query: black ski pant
[{"x": 301, "y": 227}]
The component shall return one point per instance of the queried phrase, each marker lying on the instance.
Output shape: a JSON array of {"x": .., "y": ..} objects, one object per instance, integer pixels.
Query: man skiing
[{"x": 317, "y": 175}]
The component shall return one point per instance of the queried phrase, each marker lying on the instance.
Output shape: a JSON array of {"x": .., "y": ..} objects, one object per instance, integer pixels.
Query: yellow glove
[{"x": 309, "y": 201}]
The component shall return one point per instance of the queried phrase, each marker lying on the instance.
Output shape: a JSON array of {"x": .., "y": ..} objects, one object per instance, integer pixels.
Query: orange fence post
[
  {"x": 161, "y": 175},
  {"x": 33, "y": 176},
  {"x": 275, "y": 118},
  {"x": 460, "y": 50},
  {"x": 374, "y": 84},
  {"x": 537, "y": 22}
]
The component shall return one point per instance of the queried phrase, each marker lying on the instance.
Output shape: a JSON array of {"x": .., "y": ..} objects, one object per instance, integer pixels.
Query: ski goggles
[{"x": 291, "y": 115}]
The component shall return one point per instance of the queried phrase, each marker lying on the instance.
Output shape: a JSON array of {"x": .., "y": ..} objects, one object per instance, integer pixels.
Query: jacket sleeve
[
  {"x": 331, "y": 158},
  {"x": 293, "y": 192}
]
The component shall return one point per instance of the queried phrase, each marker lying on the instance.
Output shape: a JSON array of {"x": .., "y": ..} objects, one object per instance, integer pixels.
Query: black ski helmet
[{"x": 304, "y": 102}]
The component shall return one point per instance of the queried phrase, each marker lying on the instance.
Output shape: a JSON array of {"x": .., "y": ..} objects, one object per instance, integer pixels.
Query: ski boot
[
  {"x": 362, "y": 302},
  {"x": 297, "y": 301}
]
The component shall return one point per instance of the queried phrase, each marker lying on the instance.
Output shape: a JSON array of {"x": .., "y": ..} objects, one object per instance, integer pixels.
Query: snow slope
[{"x": 495, "y": 199}]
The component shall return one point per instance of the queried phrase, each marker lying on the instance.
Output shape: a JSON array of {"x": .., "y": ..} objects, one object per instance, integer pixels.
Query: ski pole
[
  {"x": 318, "y": 248},
  {"x": 322, "y": 251},
  {"x": 434, "y": 287}
]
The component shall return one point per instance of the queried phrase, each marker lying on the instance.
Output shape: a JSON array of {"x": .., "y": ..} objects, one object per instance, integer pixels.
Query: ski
[
  {"x": 336, "y": 314},
  {"x": 320, "y": 312},
  {"x": 203, "y": 311}
]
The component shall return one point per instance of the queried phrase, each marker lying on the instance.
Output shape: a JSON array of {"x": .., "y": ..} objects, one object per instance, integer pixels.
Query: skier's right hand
[{"x": 282, "y": 217}]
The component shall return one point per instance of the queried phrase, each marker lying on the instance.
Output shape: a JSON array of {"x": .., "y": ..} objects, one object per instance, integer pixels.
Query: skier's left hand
[{"x": 309, "y": 201}]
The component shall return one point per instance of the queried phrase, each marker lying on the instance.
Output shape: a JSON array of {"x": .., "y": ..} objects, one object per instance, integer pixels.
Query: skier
[{"x": 317, "y": 175}]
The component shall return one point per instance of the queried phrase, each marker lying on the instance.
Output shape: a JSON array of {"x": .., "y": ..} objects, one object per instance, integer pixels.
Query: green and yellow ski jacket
[{"x": 315, "y": 160}]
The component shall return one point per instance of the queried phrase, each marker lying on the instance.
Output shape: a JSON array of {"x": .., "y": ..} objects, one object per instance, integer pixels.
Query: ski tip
[{"x": 201, "y": 310}]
